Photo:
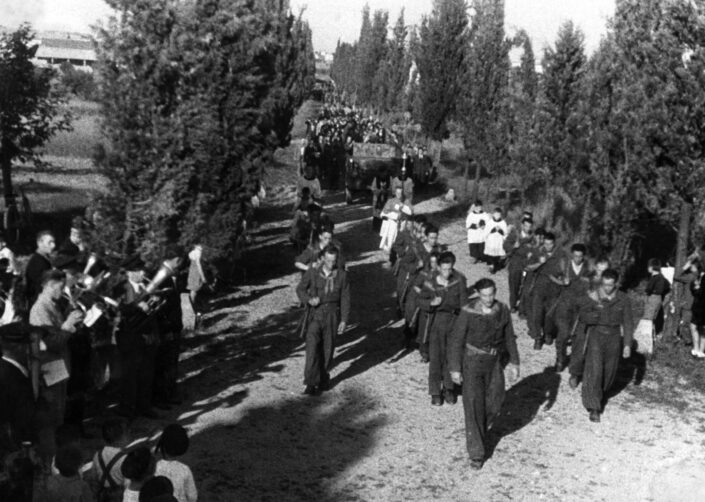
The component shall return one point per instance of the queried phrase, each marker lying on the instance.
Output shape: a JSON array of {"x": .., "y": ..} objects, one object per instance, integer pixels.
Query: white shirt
[
  {"x": 577, "y": 268},
  {"x": 108, "y": 453},
  {"x": 131, "y": 495},
  {"x": 181, "y": 477},
  {"x": 137, "y": 286},
  {"x": 476, "y": 235}
]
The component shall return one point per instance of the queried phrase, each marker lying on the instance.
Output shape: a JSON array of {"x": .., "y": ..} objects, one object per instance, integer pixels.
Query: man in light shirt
[{"x": 55, "y": 359}]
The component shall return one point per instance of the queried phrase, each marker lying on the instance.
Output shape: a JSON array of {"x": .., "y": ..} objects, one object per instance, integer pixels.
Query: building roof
[{"x": 66, "y": 48}]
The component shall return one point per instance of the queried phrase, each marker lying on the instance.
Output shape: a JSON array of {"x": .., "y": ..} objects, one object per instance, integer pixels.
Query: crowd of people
[
  {"x": 88, "y": 337},
  {"x": 465, "y": 335}
]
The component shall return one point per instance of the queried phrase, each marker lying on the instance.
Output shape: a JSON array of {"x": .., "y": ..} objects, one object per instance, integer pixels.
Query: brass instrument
[
  {"x": 150, "y": 300},
  {"x": 92, "y": 262}
]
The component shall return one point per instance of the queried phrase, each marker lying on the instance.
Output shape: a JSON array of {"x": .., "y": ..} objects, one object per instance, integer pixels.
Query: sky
[{"x": 332, "y": 20}]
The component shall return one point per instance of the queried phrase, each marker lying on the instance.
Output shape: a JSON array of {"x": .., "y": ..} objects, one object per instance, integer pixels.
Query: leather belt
[
  {"x": 451, "y": 312},
  {"x": 472, "y": 350}
]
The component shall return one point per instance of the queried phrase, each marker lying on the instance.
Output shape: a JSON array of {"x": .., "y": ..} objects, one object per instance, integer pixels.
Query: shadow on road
[
  {"x": 522, "y": 403},
  {"x": 290, "y": 451}
]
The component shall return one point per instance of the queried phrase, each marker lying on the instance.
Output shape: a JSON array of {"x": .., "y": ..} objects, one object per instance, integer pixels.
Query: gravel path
[{"x": 375, "y": 435}]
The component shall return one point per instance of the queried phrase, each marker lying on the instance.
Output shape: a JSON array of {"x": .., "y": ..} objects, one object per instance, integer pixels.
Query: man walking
[
  {"x": 449, "y": 295},
  {"x": 518, "y": 247},
  {"x": 483, "y": 334},
  {"x": 577, "y": 283},
  {"x": 326, "y": 293},
  {"x": 550, "y": 273},
  {"x": 607, "y": 316}
]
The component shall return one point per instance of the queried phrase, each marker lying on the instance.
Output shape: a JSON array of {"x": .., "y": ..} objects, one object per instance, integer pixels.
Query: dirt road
[{"x": 374, "y": 436}]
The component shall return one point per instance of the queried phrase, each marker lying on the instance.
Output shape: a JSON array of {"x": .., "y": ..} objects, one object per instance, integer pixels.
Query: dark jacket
[
  {"x": 333, "y": 289},
  {"x": 453, "y": 296},
  {"x": 36, "y": 266},
  {"x": 603, "y": 315},
  {"x": 17, "y": 408},
  {"x": 482, "y": 331}
]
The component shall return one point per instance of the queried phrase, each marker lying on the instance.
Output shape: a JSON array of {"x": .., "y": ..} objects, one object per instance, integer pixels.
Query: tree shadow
[
  {"x": 522, "y": 403},
  {"x": 293, "y": 450}
]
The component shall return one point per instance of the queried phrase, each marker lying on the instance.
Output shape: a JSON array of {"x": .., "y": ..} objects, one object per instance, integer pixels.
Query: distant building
[{"x": 57, "y": 48}]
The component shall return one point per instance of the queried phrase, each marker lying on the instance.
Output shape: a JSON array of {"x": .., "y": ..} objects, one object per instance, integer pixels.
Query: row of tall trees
[
  {"x": 374, "y": 71},
  {"x": 618, "y": 133},
  {"x": 196, "y": 96}
]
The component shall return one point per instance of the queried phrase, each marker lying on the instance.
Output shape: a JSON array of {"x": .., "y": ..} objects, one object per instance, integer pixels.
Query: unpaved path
[{"x": 375, "y": 435}]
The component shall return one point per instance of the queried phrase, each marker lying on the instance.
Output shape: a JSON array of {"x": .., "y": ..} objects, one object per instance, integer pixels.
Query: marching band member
[
  {"x": 38, "y": 263},
  {"x": 137, "y": 344},
  {"x": 55, "y": 358}
]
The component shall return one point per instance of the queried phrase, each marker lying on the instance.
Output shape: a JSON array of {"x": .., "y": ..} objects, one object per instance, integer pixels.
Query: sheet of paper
[
  {"x": 92, "y": 316},
  {"x": 54, "y": 372}
]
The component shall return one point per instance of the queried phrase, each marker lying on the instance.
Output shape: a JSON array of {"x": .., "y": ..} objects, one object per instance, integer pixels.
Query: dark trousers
[
  {"x": 527, "y": 296},
  {"x": 320, "y": 344},
  {"x": 541, "y": 323},
  {"x": 495, "y": 262},
  {"x": 137, "y": 378},
  {"x": 423, "y": 331},
  {"x": 566, "y": 318},
  {"x": 438, "y": 372},
  {"x": 483, "y": 395},
  {"x": 403, "y": 285},
  {"x": 601, "y": 363},
  {"x": 516, "y": 275},
  {"x": 167, "y": 367},
  {"x": 577, "y": 352},
  {"x": 376, "y": 223},
  {"x": 477, "y": 251}
]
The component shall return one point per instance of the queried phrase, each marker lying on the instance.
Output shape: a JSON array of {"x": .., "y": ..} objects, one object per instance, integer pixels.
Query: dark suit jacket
[
  {"x": 36, "y": 266},
  {"x": 17, "y": 408}
]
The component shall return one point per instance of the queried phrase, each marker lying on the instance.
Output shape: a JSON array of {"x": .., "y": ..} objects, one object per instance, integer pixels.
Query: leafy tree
[
  {"x": 439, "y": 54},
  {"x": 342, "y": 69},
  {"x": 31, "y": 108},
  {"x": 482, "y": 101},
  {"x": 393, "y": 73},
  {"x": 196, "y": 97},
  {"x": 77, "y": 82},
  {"x": 521, "y": 110},
  {"x": 371, "y": 51},
  {"x": 561, "y": 128}
]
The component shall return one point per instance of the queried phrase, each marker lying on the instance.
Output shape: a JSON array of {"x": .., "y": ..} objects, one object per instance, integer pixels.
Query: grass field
[{"x": 64, "y": 189}]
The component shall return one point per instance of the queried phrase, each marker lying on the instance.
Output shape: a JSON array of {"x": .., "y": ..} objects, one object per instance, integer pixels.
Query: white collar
[
  {"x": 577, "y": 268},
  {"x": 17, "y": 365},
  {"x": 136, "y": 286}
]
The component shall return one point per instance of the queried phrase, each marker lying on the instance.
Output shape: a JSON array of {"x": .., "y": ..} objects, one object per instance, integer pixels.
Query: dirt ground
[{"x": 375, "y": 436}]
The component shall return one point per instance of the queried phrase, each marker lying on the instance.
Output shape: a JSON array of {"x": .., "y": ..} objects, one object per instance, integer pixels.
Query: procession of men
[{"x": 462, "y": 331}]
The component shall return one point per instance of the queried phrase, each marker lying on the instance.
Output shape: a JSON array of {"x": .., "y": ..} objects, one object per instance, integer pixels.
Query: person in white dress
[
  {"x": 496, "y": 232},
  {"x": 475, "y": 224},
  {"x": 391, "y": 216}
]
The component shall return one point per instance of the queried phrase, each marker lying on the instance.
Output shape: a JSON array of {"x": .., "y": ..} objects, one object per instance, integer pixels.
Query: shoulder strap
[{"x": 106, "y": 469}]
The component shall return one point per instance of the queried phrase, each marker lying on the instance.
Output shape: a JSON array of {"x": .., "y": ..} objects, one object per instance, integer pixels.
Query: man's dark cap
[
  {"x": 132, "y": 263},
  {"x": 15, "y": 332}
]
